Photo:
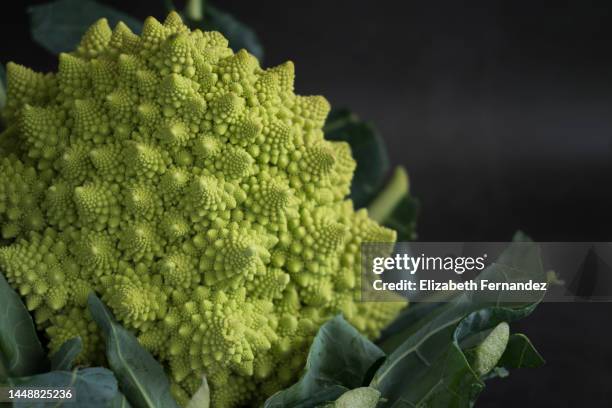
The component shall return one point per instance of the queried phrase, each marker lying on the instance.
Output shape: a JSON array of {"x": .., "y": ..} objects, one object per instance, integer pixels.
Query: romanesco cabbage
[{"x": 195, "y": 192}]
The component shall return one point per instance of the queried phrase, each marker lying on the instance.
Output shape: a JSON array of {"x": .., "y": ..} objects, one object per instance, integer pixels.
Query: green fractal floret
[{"x": 195, "y": 193}]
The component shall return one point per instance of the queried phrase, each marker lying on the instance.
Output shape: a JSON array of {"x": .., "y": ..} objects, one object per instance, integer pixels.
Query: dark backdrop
[{"x": 501, "y": 112}]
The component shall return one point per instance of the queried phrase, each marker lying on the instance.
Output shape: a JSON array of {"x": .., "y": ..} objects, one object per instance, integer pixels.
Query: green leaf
[
  {"x": 59, "y": 25},
  {"x": 403, "y": 218},
  {"x": 488, "y": 353},
  {"x": 405, "y": 324},
  {"x": 369, "y": 151},
  {"x": 441, "y": 374},
  {"x": 140, "y": 376},
  {"x": 430, "y": 367},
  {"x": 93, "y": 387},
  {"x": 520, "y": 353},
  {"x": 2, "y": 86},
  {"x": 21, "y": 353},
  {"x": 63, "y": 359},
  {"x": 120, "y": 402},
  {"x": 237, "y": 33},
  {"x": 201, "y": 398},
  {"x": 339, "y": 359},
  {"x": 362, "y": 397}
]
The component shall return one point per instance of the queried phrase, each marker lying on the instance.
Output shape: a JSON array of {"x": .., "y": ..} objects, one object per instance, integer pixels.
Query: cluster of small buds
[{"x": 192, "y": 190}]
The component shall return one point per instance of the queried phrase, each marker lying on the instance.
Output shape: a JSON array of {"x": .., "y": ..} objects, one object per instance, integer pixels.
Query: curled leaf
[{"x": 488, "y": 353}]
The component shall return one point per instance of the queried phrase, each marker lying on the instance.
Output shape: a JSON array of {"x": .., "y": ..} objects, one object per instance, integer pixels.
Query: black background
[{"x": 500, "y": 111}]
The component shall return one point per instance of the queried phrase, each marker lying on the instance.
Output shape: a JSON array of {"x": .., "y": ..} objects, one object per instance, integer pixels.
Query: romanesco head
[{"x": 195, "y": 192}]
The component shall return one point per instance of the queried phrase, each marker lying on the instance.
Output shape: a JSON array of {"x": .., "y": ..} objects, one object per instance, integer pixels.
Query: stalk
[{"x": 384, "y": 204}]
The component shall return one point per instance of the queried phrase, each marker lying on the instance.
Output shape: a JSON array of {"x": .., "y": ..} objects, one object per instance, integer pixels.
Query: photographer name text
[{"x": 431, "y": 285}]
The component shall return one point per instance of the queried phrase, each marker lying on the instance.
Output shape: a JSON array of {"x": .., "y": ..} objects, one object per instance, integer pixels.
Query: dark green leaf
[
  {"x": 403, "y": 219},
  {"x": 368, "y": 150},
  {"x": 120, "y": 402},
  {"x": 338, "y": 360},
  {"x": 59, "y": 25},
  {"x": 430, "y": 367},
  {"x": 448, "y": 381},
  {"x": 64, "y": 357},
  {"x": 20, "y": 351},
  {"x": 93, "y": 387},
  {"x": 520, "y": 353},
  {"x": 406, "y": 324},
  {"x": 323, "y": 397},
  {"x": 140, "y": 376}
]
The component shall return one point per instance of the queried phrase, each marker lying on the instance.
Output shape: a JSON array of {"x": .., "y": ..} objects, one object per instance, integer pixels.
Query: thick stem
[
  {"x": 194, "y": 9},
  {"x": 384, "y": 204}
]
